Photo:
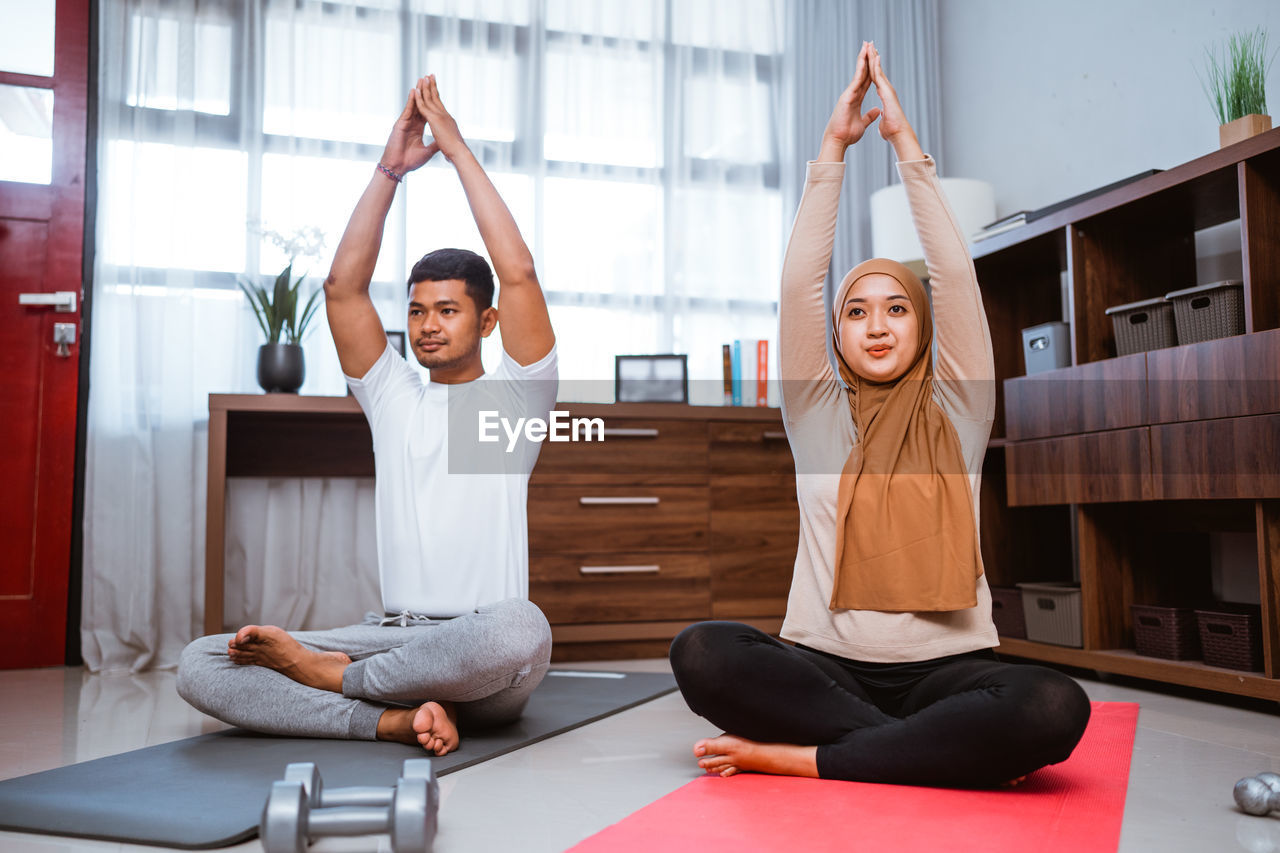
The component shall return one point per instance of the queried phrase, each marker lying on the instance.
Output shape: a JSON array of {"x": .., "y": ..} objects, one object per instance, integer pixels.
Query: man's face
[{"x": 444, "y": 325}]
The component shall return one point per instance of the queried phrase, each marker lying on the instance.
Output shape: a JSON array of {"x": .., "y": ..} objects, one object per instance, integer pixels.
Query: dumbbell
[
  {"x": 320, "y": 797},
  {"x": 1258, "y": 795},
  {"x": 290, "y": 822}
]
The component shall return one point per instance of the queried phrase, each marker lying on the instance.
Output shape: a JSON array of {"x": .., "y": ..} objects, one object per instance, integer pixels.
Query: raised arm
[
  {"x": 355, "y": 324},
  {"x": 964, "y": 367},
  {"x": 522, "y": 310},
  {"x": 803, "y": 324}
]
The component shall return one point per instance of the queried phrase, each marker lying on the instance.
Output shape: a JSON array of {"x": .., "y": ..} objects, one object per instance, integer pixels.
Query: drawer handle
[
  {"x": 618, "y": 501},
  {"x": 618, "y": 570},
  {"x": 630, "y": 432},
  {"x": 774, "y": 435}
]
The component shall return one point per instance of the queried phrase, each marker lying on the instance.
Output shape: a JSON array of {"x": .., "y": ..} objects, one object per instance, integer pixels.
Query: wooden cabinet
[
  {"x": 1102, "y": 466},
  {"x": 1133, "y": 466},
  {"x": 681, "y": 514}
]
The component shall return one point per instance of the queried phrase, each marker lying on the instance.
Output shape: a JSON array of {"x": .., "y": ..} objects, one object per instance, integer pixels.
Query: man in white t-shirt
[{"x": 461, "y": 645}]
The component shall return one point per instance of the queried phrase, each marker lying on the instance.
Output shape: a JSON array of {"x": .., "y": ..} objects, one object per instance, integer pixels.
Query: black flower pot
[{"x": 281, "y": 368}]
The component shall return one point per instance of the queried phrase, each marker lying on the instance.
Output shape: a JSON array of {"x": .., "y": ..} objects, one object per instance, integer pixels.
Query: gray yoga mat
[{"x": 208, "y": 791}]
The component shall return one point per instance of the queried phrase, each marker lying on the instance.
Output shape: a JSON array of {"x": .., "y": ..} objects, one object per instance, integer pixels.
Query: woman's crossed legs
[{"x": 964, "y": 721}]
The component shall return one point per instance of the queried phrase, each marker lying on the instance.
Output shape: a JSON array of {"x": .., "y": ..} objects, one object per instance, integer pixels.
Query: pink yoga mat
[{"x": 1072, "y": 807}]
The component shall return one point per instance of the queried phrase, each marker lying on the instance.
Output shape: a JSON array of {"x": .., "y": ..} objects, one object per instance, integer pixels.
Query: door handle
[{"x": 63, "y": 300}]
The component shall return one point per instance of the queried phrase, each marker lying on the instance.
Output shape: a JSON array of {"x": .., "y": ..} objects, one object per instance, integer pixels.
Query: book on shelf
[
  {"x": 1022, "y": 217},
  {"x": 727, "y": 352},
  {"x": 994, "y": 229},
  {"x": 747, "y": 372},
  {"x": 1011, "y": 219},
  {"x": 762, "y": 373},
  {"x": 736, "y": 364},
  {"x": 1042, "y": 212}
]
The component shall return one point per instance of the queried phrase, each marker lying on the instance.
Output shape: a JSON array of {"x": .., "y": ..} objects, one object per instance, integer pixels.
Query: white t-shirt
[{"x": 452, "y": 515}]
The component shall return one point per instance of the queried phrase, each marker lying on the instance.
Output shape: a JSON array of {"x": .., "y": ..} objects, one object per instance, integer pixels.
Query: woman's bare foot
[
  {"x": 272, "y": 647},
  {"x": 730, "y": 754},
  {"x": 432, "y": 725}
]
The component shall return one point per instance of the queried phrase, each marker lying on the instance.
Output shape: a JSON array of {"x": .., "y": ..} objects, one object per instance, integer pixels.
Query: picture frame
[{"x": 651, "y": 378}]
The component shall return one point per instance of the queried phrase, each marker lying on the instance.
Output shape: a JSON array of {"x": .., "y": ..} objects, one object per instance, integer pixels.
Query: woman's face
[{"x": 879, "y": 331}]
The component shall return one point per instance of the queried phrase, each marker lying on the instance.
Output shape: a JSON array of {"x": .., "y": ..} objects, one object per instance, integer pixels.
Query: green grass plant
[{"x": 1236, "y": 84}]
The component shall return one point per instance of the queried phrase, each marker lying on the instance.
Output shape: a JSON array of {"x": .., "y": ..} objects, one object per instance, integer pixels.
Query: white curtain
[
  {"x": 823, "y": 40},
  {"x": 646, "y": 148}
]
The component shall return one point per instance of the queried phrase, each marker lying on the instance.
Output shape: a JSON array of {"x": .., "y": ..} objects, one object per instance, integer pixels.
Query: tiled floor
[{"x": 548, "y": 796}]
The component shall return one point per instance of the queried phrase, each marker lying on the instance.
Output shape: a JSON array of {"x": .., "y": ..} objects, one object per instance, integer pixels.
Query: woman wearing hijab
[{"x": 891, "y": 677}]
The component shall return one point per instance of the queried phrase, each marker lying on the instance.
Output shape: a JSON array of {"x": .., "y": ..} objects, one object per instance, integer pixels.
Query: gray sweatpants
[{"x": 487, "y": 663}]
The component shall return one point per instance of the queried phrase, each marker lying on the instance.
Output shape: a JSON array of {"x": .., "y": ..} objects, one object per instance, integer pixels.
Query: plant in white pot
[
  {"x": 283, "y": 316},
  {"x": 1237, "y": 86}
]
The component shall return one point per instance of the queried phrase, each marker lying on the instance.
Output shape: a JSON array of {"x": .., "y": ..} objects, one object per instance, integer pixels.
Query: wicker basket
[
  {"x": 1231, "y": 635},
  {"x": 1209, "y": 311},
  {"x": 1052, "y": 611},
  {"x": 1007, "y": 613},
  {"x": 1166, "y": 632},
  {"x": 1143, "y": 326}
]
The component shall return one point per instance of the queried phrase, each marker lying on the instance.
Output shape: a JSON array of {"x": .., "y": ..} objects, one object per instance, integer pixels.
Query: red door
[{"x": 41, "y": 255}]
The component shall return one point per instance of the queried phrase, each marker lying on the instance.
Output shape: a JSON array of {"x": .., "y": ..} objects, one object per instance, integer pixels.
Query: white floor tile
[{"x": 1187, "y": 755}]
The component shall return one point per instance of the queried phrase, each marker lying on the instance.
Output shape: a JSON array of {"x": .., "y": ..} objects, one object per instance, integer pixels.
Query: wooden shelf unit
[{"x": 1118, "y": 469}]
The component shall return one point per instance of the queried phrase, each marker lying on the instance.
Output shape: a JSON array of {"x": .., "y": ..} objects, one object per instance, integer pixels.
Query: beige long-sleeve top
[{"x": 822, "y": 433}]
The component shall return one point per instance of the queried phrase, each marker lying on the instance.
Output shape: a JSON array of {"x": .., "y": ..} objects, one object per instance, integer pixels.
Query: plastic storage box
[
  {"x": 1166, "y": 632},
  {"x": 1231, "y": 636},
  {"x": 1208, "y": 311},
  {"x": 1046, "y": 347},
  {"x": 1052, "y": 611},
  {"x": 1006, "y": 612},
  {"x": 1143, "y": 326}
]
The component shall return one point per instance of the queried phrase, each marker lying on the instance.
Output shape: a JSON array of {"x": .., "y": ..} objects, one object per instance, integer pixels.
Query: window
[{"x": 635, "y": 143}]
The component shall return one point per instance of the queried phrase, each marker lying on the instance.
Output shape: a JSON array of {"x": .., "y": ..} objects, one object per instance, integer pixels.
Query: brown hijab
[{"x": 905, "y": 538}]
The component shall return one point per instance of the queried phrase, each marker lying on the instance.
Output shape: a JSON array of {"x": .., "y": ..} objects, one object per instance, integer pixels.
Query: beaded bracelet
[{"x": 390, "y": 174}]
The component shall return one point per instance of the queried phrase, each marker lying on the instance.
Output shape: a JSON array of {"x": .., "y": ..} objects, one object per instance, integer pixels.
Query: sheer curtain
[
  {"x": 638, "y": 145},
  {"x": 823, "y": 39}
]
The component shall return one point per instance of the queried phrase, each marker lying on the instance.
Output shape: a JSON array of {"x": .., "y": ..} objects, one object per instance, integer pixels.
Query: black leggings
[{"x": 962, "y": 721}]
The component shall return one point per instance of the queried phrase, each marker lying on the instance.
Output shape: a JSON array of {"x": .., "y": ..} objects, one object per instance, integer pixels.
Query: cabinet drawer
[
  {"x": 750, "y": 448},
  {"x": 1228, "y": 458},
  {"x": 1101, "y": 395},
  {"x": 620, "y": 587},
  {"x": 586, "y": 519},
  {"x": 755, "y": 526},
  {"x": 1226, "y": 378},
  {"x": 633, "y": 450},
  {"x": 1093, "y": 468}
]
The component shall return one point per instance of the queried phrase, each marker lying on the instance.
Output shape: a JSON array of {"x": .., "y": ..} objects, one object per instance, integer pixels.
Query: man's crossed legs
[{"x": 415, "y": 684}]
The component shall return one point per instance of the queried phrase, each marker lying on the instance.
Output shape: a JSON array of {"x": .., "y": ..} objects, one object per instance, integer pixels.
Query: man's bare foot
[
  {"x": 436, "y": 725},
  {"x": 432, "y": 725},
  {"x": 730, "y": 754},
  {"x": 272, "y": 647}
]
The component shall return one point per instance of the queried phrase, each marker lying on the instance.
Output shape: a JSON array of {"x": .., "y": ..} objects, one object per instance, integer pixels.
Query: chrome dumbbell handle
[
  {"x": 321, "y": 797},
  {"x": 349, "y": 820}
]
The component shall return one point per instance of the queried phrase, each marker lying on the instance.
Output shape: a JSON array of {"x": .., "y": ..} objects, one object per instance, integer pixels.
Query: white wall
[{"x": 1050, "y": 98}]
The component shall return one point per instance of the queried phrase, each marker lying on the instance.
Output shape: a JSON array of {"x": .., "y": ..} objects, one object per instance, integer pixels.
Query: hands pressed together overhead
[
  {"x": 848, "y": 123},
  {"x": 406, "y": 150}
]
